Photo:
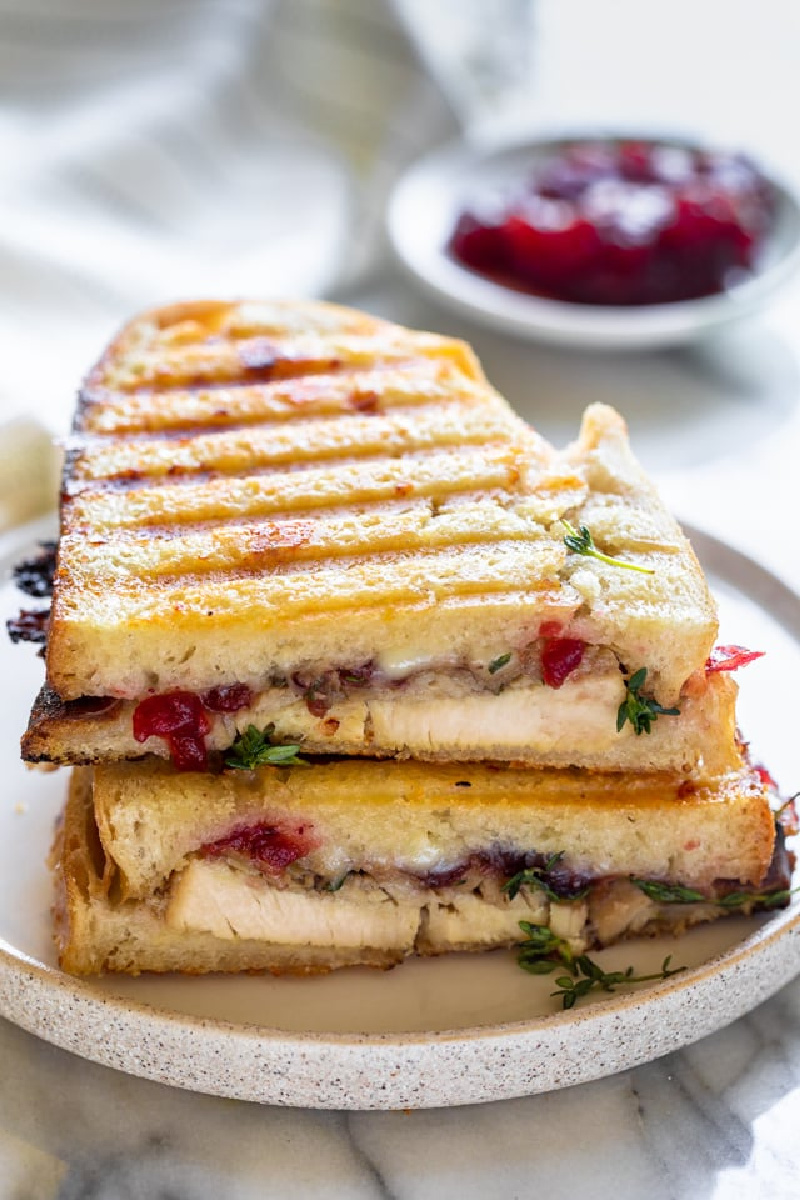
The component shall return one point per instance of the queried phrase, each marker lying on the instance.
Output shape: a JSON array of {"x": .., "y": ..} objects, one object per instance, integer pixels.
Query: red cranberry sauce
[
  {"x": 179, "y": 718},
  {"x": 229, "y": 698},
  {"x": 730, "y": 658},
  {"x": 764, "y": 776},
  {"x": 322, "y": 691},
  {"x": 622, "y": 224},
  {"x": 560, "y": 657},
  {"x": 274, "y": 847},
  {"x": 550, "y": 629},
  {"x": 503, "y": 862}
]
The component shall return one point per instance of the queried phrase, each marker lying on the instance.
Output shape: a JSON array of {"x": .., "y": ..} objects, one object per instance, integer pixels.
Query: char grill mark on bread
[
  {"x": 224, "y": 498},
  {"x": 181, "y": 910}
]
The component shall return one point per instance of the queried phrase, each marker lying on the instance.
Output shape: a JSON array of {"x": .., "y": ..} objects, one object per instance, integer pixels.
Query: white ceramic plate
[
  {"x": 433, "y": 1032},
  {"x": 423, "y": 211}
]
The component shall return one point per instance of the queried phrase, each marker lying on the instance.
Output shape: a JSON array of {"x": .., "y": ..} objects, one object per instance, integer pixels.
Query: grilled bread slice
[
  {"x": 297, "y": 495},
  {"x": 366, "y": 862}
]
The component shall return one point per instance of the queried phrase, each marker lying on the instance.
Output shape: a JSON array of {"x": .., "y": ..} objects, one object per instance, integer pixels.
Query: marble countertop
[
  {"x": 717, "y": 1121},
  {"x": 719, "y": 426}
]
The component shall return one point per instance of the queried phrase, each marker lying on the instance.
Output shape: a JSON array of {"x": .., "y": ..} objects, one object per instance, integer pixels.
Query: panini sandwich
[
  {"x": 305, "y": 519},
  {"x": 364, "y": 863},
  {"x": 292, "y": 530}
]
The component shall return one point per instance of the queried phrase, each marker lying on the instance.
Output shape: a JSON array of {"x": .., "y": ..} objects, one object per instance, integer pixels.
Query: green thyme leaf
[
  {"x": 335, "y": 884},
  {"x": 497, "y": 664},
  {"x": 254, "y": 749},
  {"x": 640, "y": 710},
  {"x": 535, "y": 877},
  {"x": 595, "y": 978},
  {"x": 580, "y": 541},
  {"x": 666, "y": 893},
  {"x": 538, "y": 966},
  {"x": 762, "y": 899},
  {"x": 669, "y": 893},
  {"x": 543, "y": 952}
]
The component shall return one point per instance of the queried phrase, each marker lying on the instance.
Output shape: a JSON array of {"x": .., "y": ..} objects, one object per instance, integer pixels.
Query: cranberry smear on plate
[{"x": 622, "y": 223}]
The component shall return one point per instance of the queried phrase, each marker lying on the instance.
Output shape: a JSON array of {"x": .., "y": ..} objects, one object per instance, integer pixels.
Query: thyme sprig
[
  {"x": 763, "y": 899},
  {"x": 543, "y": 953},
  {"x": 580, "y": 541},
  {"x": 497, "y": 664},
  {"x": 253, "y": 748},
  {"x": 536, "y": 877},
  {"x": 640, "y": 710},
  {"x": 669, "y": 893}
]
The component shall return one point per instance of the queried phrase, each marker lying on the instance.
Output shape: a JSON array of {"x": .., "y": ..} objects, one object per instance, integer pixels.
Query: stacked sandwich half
[{"x": 354, "y": 665}]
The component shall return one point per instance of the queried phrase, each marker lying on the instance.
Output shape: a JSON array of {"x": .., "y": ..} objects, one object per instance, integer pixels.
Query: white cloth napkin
[{"x": 154, "y": 152}]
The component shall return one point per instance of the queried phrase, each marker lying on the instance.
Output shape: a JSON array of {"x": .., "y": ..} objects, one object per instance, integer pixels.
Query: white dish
[
  {"x": 422, "y": 213},
  {"x": 433, "y": 1032}
]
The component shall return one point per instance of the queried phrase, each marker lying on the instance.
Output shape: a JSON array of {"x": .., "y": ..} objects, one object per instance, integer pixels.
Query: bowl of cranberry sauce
[{"x": 597, "y": 240}]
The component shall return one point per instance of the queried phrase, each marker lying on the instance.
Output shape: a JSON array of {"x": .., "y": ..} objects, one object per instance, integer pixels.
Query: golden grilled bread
[
  {"x": 366, "y": 862},
  {"x": 341, "y": 519}
]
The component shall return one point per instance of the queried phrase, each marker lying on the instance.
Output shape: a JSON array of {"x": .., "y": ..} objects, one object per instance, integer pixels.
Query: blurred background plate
[{"x": 428, "y": 199}]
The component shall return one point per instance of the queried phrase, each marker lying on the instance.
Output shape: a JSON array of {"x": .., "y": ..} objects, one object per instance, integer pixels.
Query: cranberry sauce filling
[
  {"x": 179, "y": 718},
  {"x": 34, "y": 576},
  {"x": 273, "y": 847},
  {"x": 503, "y": 863},
  {"x": 320, "y": 692},
  {"x": 560, "y": 657},
  {"x": 228, "y": 698},
  {"x": 730, "y": 658},
  {"x": 766, "y": 777},
  {"x": 621, "y": 224},
  {"x": 185, "y": 713}
]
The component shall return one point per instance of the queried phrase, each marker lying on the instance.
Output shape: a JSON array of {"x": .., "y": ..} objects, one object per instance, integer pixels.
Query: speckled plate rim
[
  {"x": 422, "y": 210},
  {"x": 417, "y": 1070},
  {"x": 404, "y": 1070}
]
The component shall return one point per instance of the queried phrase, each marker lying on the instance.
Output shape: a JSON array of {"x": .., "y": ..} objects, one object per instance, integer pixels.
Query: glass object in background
[
  {"x": 480, "y": 52},
  {"x": 29, "y": 469}
]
